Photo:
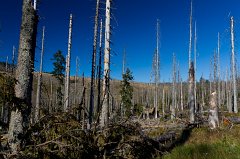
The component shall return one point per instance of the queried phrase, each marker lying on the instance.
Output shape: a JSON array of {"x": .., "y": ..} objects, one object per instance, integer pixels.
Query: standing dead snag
[
  {"x": 19, "y": 120},
  {"x": 99, "y": 70},
  {"x": 213, "y": 112},
  {"x": 191, "y": 93},
  {"x": 68, "y": 60},
  {"x": 105, "y": 107},
  {"x": 156, "y": 73},
  {"x": 219, "y": 70},
  {"x": 190, "y": 39},
  {"x": 93, "y": 65},
  {"x": 174, "y": 102},
  {"x": 233, "y": 69},
  {"x": 39, "y": 84},
  {"x": 195, "y": 66}
]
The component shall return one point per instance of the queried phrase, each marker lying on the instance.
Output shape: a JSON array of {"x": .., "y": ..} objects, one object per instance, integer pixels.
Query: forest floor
[{"x": 204, "y": 143}]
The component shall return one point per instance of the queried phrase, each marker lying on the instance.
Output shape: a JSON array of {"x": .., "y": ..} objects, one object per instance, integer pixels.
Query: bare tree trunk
[
  {"x": 219, "y": 69},
  {"x": 156, "y": 74},
  {"x": 173, "y": 106},
  {"x": 68, "y": 60},
  {"x": 163, "y": 103},
  {"x": 213, "y": 113},
  {"x": 19, "y": 120},
  {"x": 76, "y": 86},
  {"x": 195, "y": 66},
  {"x": 35, "y": 5},
  {"x": 100, "y": 70},
  {"x": 6, "y": 66},
  {"x": 51, "y": 96},
  {"x": 91, "y": 107},
  {"x": 181, "y": 95},
  {"x": 39, "y": 84},
  {"x": 83, "y": 103},
  {"x": 228, "y": 92},
  {"x": 124, "y": 62},
  {"x": 105, "y": 107},
  {"x": 13, "y": 59},
  {"x": 190, "y": 39},
  {"x": 191, "y": 93},
  {"x": 235, "y": 107},
  {"x": 203, "y": 101},
  {"x": 210, "y": 76}
]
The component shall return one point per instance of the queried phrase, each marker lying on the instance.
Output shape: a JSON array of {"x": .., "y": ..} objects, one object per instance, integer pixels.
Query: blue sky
[{"x": 134, "y": 28}]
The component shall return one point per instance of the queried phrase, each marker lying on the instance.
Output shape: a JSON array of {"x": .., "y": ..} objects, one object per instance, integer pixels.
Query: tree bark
[
  {"x": 105, "y": 107},
  {"x": 93, "y": 65},
  {"x": 235, "y": 107},
  {"x": 191, "y": 102},
  {"x": 68, "y": 60},
  {"x": 213, "y": 113},
  {"x": 19, "y": 120}
]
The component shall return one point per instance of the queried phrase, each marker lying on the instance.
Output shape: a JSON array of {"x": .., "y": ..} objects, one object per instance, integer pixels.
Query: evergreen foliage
[
  {"x": 126, "y": 92},
  {"x": 58, "y": 73}
]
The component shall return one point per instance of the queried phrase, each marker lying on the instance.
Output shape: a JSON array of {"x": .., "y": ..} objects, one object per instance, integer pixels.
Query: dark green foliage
[
  {"x": 58, "y": 72},
  {"x": 59, "y": 66},
  {"x": 126, "y": 92}
]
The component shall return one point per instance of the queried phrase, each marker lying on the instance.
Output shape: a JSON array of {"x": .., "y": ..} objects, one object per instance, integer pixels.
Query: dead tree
[
  {"x": 13, "y": 59},
  {"x": 228, "y": 92},
  {"x": 67, "y": 77},
  {"x": 39, "y": 84},
  {"x": 6, "y": 65},
  {"x": 173, "y": 105},
  {"x": 156, "y": 73},
  {"x": 83, "y": 103},
  {"x": 124, "y": 62},
  {"x": 233, "y": 69},
  {"x": 219, "y": 69},
  {"x": 91, "y": 107},
  {"x": 76, "y": 83},
  {"x": 195, "y": 66},
  {"x": 213, "y": 112},
  {"x": 181, "y": 96},
  {"x": 163, "y": 103},
  {"x": 191, "y": 93},
  {"x": 20, "y": 114},
  {"x": 100, "y": 69},
  {"x": 215, "y": 80},
  {"x": 106, "y": 78},
  {"x": 190, "y": 39}
]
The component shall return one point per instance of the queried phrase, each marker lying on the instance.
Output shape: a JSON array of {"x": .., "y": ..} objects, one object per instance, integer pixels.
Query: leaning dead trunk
[{"x": 19, "y": 120}]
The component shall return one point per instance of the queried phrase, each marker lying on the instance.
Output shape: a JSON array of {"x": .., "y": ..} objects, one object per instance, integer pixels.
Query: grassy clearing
[{"x": 204, "y": 144}]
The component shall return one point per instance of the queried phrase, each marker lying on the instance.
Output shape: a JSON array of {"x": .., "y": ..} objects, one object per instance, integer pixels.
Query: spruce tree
[
  {"x": 126, "y": 92},
  {"x": 58, "y": 73}
]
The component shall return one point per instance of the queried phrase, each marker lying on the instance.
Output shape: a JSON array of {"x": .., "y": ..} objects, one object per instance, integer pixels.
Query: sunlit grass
[{"x": 209, "y": 144}]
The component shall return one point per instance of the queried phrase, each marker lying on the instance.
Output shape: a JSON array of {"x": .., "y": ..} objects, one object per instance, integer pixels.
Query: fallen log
[{"x": 234, "y": 120}]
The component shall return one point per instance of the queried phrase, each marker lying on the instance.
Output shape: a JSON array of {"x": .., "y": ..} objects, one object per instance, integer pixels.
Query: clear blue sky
[{"x": 134, "y": 27}]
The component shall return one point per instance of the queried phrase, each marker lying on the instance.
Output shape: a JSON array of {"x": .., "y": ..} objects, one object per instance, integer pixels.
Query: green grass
[
  {"x": 205, "y": 151},
  {"x": 209, "y": 144}
]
